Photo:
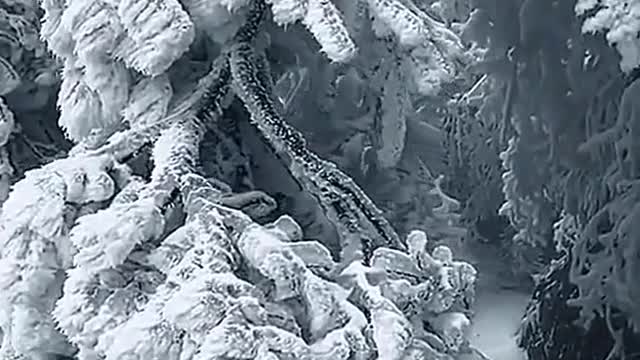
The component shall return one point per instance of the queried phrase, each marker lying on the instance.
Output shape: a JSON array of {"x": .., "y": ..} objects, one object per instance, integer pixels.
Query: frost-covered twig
[
  {"x": 99, "y": 42},
  {"x": 36, "y": 250},
  {"x": 357, "y": 217},
  {"x": 106, "y": 247}
]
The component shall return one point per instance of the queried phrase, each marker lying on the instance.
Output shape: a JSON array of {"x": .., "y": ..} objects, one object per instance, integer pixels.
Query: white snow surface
[
  {"x": 498, "y": 310},
  {"x": 498, "y": 314}
]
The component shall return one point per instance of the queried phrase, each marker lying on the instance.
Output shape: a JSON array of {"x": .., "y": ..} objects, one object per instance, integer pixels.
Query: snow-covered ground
[
  {"x": 498, "y": 314},
  {"x": 498, "y": 311}
]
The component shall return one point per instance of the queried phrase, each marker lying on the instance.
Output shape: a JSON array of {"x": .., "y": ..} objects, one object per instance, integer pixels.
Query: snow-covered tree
[{"x": 565, "y": 74}]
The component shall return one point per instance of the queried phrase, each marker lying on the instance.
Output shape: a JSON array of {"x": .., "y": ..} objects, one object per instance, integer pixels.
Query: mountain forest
[{"x": 319, "y": 179}]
